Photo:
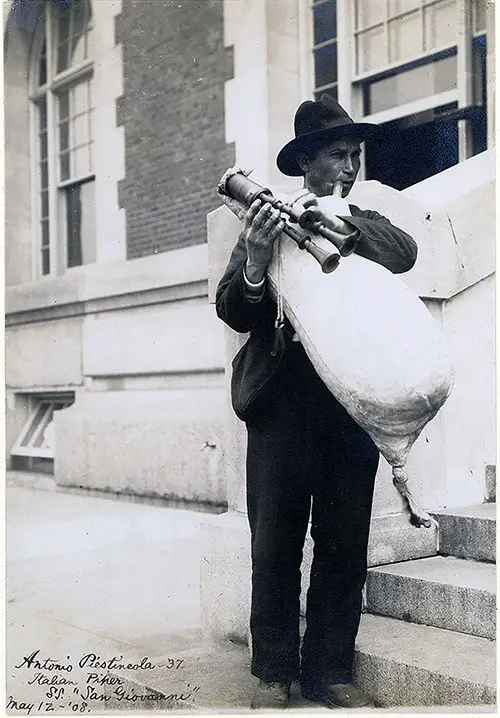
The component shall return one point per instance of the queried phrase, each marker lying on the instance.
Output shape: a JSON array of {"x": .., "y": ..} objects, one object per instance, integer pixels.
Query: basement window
[{"x": 34, "y": 448}]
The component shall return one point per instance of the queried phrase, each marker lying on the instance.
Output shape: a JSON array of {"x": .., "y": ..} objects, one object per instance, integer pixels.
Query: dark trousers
[{"x": 304, "y": 448}]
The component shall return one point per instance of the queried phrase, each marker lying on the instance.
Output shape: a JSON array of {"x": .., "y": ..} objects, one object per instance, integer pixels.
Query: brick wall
[{"x": 172, "y": 110}]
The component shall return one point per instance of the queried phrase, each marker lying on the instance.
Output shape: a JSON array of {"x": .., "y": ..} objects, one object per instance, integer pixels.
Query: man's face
[{"x": 337, "y": 161}]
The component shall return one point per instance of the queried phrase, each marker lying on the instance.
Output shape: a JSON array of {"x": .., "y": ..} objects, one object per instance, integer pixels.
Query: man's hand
[
  {"x": 327, "y": 208},
  {"x": 263, "y": 225}
]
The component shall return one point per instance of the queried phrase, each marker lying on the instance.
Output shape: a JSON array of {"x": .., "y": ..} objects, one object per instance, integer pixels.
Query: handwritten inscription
[
  {"x": 48, "y": 664},
  {"x": 116, "y": 662},
  {"x": 81, "y": 684}
]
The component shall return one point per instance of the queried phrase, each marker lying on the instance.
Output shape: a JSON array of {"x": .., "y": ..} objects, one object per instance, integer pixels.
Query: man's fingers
[
  {"x": 277, "y": 229},
  {"x": 271, "y": 219},
  {"x": 252, "y": 212},
  {"x": 263, "y": 215}
]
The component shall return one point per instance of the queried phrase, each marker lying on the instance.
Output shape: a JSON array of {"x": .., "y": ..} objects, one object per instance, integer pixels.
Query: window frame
[
  {"x": 50, "y": 91},
  {"x": 42, "y": 408},
  {"x": 318, "y": 90},
  {"x": 463, "y": 94},
  {"x": 397, "y": 65}
]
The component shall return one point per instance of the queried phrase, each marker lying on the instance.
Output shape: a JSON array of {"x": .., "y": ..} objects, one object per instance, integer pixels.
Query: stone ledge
[
  {"x": 449, "y": 593},
  {"x": 468, "y": 532},
  {"x": 403, "y": 664},
  {"x": 169, "y": 276}
]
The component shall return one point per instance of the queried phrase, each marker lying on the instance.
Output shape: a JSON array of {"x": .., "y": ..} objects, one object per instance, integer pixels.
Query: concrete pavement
[
  {"x": 103, "y": 611},
  {"x": 87, "y": 575},
  {"x": 95, "y": 585}
]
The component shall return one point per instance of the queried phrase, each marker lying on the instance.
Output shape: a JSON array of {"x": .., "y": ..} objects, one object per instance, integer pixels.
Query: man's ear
[{"x": 303, "y": 162}]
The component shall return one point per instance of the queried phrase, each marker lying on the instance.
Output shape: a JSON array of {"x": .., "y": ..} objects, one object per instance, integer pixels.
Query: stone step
[
  {"x": 400, "y": 664},
  {"x": 445, "y": 592},
  {"x": 468, "y": 532},
  {"x": 404, "y": 664}
]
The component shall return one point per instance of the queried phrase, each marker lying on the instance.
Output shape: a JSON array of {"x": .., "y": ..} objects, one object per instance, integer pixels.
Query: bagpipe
[{"x": 372, "y": 341}]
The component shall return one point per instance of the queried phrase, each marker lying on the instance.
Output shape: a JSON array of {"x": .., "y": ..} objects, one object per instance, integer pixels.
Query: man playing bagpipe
[{"x": 306, "y": 457}]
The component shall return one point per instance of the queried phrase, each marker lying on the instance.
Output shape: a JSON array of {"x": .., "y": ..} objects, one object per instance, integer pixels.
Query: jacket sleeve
[
  {"x": 382, "y": 242},
  {"x": 232, "y": 302}
]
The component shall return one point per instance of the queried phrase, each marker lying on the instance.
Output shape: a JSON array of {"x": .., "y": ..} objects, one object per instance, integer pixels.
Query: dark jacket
[{"x": 256, "y": 362}]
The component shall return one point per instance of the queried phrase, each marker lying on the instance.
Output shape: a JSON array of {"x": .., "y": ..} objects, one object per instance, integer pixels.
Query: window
[
  {"x": 325, "y": 47},
  {"x": 34, "y": 448},
  {"x": 413, "y": 84},
  {"x": 389, "y": 32},
  {"x": 414, "y": 76},
  {"x": 479, "y": 16},
  {"x": 63, "y": 115}
]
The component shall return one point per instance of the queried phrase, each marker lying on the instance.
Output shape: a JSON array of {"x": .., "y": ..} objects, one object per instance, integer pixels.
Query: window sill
[{"x": 169, "y": 276}]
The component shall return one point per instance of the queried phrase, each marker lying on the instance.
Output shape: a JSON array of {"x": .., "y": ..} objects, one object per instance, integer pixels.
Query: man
[{"x": 303, "y": 447}]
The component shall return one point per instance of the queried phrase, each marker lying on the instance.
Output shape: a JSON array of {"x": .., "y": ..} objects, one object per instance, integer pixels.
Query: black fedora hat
[{"x": 316, "y": 124}]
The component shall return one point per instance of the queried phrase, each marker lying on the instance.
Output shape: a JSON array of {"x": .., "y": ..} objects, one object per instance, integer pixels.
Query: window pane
[
  {"x": 35, "y": 421},
  {"x": 81, "y": 130},
  {"x": 44, "y": 248},
  {"x": 63, "y": 26},
  {"x": 79, "y": 38},
  {"x": 73, "y": 26},
  {"x": 372, "y": 50},
  {"x": 82, "y": 162},
  {"x": 73, "y": 225},
  {"x": 407, "y": 152},
  {"x": 369, "y": 12},
  {"x": 63, "y": 105},
  {"x": 88, "y": 222},
  {"x": 44, "y": 174},
  {"x": 325, "y": 21},
  {"x": 80, "y": 98},
  {"x": 325, "y": 65},
  {"x": 45, "y": 233},
  {"x": 64, "y": 165},
  {"x": 412, "y": 85},
  {"x": 75, "y": 133},
  {"x": 43, "y": 146},
  {"x": 79, "y": 19},
  {"x": 63, "y": 136},
  {"x": 42, "y": 65},
  {"x": 441, "y": 23},
  {"x": 44, "y": 203},
  {"x": 78, "y": 49},
  {"x": 405, "y": 37},
  {"x": 45, "y": 261},
  {"x": 38, "y": 439},
  {"x": 79, "y": 202},
  {"x": 42, "y": 115},
  {"x": 479, "y": 7},
  {"x": 62, "y": 57},
  {"x": 398, "y": 6}
]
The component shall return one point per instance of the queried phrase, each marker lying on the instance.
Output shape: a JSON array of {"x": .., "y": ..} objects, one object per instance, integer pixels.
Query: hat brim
[{"x": 287, "y": 157}]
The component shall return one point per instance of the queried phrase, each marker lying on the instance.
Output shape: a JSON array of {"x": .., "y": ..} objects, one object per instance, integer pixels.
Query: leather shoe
[
  {"x": 333, "y": 695},
  {"x": 271, "y": 694}
]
